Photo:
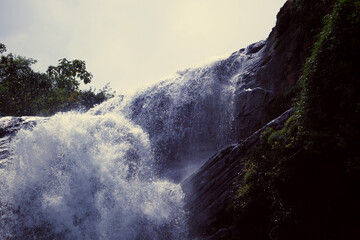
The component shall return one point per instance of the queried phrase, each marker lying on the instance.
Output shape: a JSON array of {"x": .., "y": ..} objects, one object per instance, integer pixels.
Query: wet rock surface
[
  {"x": 210, "y": 190},
  {"x": 264, "y": 90}
]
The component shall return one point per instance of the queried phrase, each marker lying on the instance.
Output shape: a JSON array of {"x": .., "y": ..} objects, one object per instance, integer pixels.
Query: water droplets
[{"x": 81, "y": 176}]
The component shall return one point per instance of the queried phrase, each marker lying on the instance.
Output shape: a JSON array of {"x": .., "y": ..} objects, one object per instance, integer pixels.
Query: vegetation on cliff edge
[{"x": 301, "y": 182}]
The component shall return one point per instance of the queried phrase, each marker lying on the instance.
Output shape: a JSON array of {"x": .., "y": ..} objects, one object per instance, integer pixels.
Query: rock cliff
[
  {"x": 209, "y": 191},
  {"x": 263, "y": 94}
]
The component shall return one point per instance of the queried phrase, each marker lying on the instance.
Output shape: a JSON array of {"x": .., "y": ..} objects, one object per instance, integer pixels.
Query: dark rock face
[
  {"x": 263, "y": 93},
  {"x": 210, "y": 190},
  {"x": 274, "y": 77}
]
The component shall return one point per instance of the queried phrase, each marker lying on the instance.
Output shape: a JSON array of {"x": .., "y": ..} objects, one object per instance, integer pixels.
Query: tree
[
  {"x": 26, "y": 92},
  {"x": 89, "y": 98},
  {"x": 66, "y": 78},
  {"x": 20, "y": 86},
  {"x": 68, "y": 73},
  {"x": 2, "y": 48}
]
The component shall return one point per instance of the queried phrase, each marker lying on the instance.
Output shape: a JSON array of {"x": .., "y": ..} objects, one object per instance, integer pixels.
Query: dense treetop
[{"x": 24, "y": 91}]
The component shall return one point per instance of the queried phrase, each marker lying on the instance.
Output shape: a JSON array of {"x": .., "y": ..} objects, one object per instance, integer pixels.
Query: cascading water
[
  {"x": 193, "y": 115},
  {"x": 80, "y": 176},
  {"x": 114, "y": 172}
]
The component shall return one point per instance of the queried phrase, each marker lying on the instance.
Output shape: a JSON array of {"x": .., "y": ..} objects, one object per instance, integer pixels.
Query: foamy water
[
  {"x": 113, "y": 173},
  {"x": 80, "y": 176}
]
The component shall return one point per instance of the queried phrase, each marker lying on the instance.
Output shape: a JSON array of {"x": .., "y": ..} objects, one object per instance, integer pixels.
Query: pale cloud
[{"x": 131, "y": 43}]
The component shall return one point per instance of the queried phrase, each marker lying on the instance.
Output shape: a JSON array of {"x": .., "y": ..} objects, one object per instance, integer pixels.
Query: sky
[{"x": 133, "y": 43}]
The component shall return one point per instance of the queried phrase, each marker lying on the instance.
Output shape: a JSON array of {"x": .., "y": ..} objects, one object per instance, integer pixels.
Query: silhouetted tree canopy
[{"x": 24, "y": 91}]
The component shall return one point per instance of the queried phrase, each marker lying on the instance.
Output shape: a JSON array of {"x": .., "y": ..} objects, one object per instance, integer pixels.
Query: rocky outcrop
[
  {"x": 264, "y": 92},
  {"x": 211, "y": 189}
]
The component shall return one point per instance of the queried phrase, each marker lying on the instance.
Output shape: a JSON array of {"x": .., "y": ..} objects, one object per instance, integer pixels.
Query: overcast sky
[{"x": 132, "y": 43}]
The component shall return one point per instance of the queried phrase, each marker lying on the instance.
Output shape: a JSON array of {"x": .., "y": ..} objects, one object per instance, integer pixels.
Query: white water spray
[
  {"x": 107, "y": 174},
  {"x": 80, "y": 176},
  {"x": 192, "y": 115}
]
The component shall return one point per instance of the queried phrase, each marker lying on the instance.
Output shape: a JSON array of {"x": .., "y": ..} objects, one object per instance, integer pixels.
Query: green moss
[{"x": 310, "y": 169}]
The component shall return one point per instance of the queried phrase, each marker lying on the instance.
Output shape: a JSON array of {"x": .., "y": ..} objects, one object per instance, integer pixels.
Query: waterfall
[
  {"x": 192, "y": 115},
  {"x": 114, "y": 172},
  {"x": 80, "y": 176}
]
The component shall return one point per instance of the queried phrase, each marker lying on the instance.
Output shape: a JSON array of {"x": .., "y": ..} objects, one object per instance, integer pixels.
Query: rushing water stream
[
  {"x": 114, "y": 172},
  {"x": 80, "y": 176}
]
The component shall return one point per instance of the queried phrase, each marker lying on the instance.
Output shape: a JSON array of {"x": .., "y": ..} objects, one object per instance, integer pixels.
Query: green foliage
[
  {"x": 67, "y": 74},
  {"x": 26, "y": 92},
  {"x": 20, "y": 86},
  {"x": 88, "y": 98},
  {"x": 303, "y": 179},
  {"x": 2, "y": 48},
  {"x": 330, "y": 80}
]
